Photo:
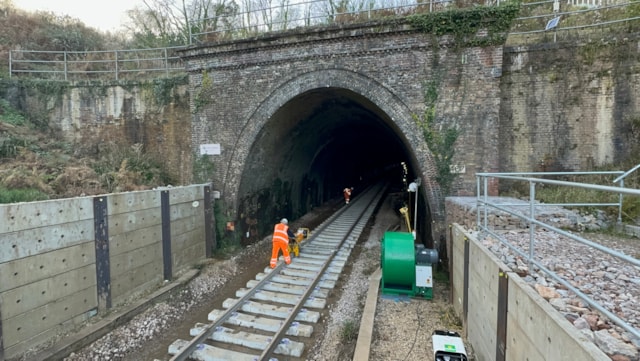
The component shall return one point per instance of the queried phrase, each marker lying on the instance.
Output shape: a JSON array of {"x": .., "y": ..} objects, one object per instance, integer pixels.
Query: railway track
[{"x": 274, "y": 316}]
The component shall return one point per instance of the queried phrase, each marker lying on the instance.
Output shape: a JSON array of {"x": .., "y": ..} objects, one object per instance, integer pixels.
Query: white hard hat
[{"x": 284, "y": 220}]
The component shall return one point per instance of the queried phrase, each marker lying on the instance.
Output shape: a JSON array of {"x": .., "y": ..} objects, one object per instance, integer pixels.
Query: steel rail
[
  {"x": 281, "y": 332},
  {"x": 361, "y": 204}
]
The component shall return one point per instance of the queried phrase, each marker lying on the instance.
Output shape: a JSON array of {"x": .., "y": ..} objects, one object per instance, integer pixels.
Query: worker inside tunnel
[{"x": 314, "y": 146}]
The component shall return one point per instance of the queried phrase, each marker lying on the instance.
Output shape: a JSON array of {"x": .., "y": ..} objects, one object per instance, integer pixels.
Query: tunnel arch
[{"x": 306, "y": 104}]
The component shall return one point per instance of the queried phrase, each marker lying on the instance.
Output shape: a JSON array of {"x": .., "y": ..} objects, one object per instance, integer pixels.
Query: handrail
[
  {"x": 484, "y": 203},
  {"x": 98, "y": 63},
  {"x": 623, "y": 176},
  {"x": 240, "y": 24},
  {"x": 621, "y": 196}
]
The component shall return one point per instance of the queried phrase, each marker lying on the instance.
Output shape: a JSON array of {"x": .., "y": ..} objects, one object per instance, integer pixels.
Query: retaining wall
[
  {"x": 64, "y": 261},
  {"x": 503, "y": 317}
]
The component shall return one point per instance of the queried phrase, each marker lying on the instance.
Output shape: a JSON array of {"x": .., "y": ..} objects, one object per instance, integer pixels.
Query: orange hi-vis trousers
[{"x": 278, "y": 246}]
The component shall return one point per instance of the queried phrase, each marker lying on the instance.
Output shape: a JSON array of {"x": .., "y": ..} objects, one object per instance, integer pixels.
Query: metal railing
[
  {"x": 485, "y": 204},
  {"x": 304, "y": 14},
  {"x": 620, "y": 180},
  {"x": 542, "y": 16},
  {"x": 115, "y": 64},
  {"x": 119, "y": 64}
]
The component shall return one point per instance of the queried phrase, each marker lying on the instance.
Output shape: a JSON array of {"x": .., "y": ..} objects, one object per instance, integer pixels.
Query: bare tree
[{"x": 162, "y": 23}]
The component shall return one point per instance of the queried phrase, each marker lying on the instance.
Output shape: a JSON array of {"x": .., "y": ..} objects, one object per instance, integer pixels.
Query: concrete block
[
  {"x": 22, "y": 216},
  {"x": 31, "y": 269},
  {"x": 38, "y": 320},
  {"x": 186, "y": 225},
  {"x": 129, "y": 241},
  {"x": 185, "y": 240},
  {"x": 118, "y": 203},
  {"x": 42, "y": 239},
  {"x": 28, "y": 344},
  {"x": 187, "y": 210},
  {"x": 186, "y": 195},
  {"x": 130, "y": 221},
  {"x": 534, "y": 325},
  {"x": 188, "y": 256},
  {"x": 40, "y": 293},
  {"x": 125, "y": 262},
  {"x": 136, "y": 280}
]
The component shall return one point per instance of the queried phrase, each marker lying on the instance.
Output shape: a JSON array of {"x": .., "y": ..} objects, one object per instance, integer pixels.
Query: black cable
[{"x": 415, "y": 337}]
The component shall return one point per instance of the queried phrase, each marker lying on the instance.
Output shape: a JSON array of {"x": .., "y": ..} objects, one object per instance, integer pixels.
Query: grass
[
  {"x": 450, "y": 319},
  {"x": 440, "y": 276},
  {"x": 349, "y": 331},
  {"x": 227, "y": 248},
  {"x": 21, "y": 195},
  {"x": 553, "y": 194}
]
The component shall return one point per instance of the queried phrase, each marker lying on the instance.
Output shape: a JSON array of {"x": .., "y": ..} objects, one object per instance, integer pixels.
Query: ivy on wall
[
  {"x": 440, "y": 139},
  {"x": 162, "y": 91},
  {"x": 466, "y": 23},
  {"x": 203, "y": 95}
]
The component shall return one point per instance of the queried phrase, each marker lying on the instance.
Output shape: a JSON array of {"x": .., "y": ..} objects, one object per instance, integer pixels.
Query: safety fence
[
  {"x": 529, "y": 213},
  {"x": 552, "y": 20},
  {"x": 88, "y": 65},
  {"x": 537, "y": 21},
  {"x": 292, "y": 15}
]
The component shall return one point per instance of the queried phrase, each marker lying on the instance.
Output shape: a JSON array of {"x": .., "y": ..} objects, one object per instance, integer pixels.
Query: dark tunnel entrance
[{"x": 310, "y": 149}]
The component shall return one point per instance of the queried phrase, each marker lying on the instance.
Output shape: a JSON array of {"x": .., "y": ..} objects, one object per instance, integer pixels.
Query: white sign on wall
[
  {"x": 210, "y": 149},
  {"x": 457, "y": 168}
]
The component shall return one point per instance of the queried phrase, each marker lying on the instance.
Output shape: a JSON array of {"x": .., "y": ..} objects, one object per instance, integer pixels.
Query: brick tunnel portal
[{"x": 314, "y": 146}]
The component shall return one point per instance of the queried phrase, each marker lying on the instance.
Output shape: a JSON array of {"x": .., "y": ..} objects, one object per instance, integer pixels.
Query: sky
[{"x": 105, "y": 15}]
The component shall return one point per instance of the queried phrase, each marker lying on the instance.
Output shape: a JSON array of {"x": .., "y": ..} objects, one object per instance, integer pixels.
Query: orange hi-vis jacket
[{"x": 280, "y": 233}]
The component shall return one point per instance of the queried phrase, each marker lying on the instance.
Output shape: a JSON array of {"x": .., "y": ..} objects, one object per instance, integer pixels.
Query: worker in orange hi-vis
[
  {"x": 280, "y": 240},
  {"x": 347, "y": 194}
]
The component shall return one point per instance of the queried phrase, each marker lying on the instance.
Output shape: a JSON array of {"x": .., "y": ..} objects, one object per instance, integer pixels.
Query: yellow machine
[
  {"x": 405, "y": 213},
  {"x": 294, "y": 243}
]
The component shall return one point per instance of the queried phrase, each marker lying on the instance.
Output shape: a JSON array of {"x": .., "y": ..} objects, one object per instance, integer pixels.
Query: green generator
[{"x": 406, "y": 269}]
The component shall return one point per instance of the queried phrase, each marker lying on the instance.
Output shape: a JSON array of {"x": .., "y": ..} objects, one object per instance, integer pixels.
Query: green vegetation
[
  {"x": 10, "y": 115},
  {"x": 450, "y": 319},
  {"x": 21, "y": 195},
  {"x": 204, "y": 93},
  {"x": 559, "y": 194},
  {"x": 127, "y": 168},
  {"x": 349, "y": 332},
  {"x": 440, "y": 138},
  {"x": 227, "y": 241},
  {"x": 161, "y": 91},
  {"x": 553, "y": 194},
  {"x": 440, "y": 276},
  {"x": 202, "y": 168},
  {"x": 466, "y": 23}
]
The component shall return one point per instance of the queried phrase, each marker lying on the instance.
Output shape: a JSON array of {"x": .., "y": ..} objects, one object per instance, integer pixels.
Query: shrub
[{"x": 21, "y": 195}]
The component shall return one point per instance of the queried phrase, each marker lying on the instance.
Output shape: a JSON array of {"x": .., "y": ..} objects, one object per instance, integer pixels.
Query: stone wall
[
  {"x": 570, "y": 106},
  {"x": 153, "y": 113}
]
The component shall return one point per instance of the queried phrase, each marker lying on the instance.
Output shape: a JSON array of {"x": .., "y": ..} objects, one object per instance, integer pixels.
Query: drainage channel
[{"x": 275, "y": 312}]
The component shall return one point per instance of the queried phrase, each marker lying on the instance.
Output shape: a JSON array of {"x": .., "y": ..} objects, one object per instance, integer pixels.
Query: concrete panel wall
[
  {"x": 47, "y": 272},
  {"x": 534, "y": 329},
  {"x": 49, "y": 257},
  {"x": 455, "y": 250},
  {"x": 483, "y": 300},
  {"x": 135, "y": 264}
]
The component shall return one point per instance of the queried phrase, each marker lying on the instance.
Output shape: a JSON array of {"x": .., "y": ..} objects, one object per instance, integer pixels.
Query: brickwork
[{"x": 389, "y": 67}]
